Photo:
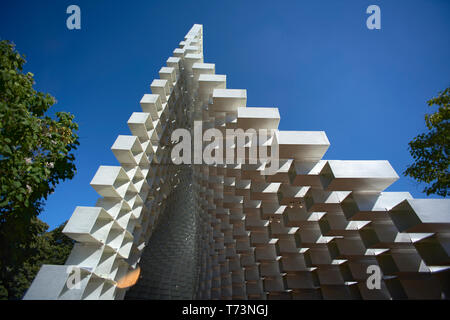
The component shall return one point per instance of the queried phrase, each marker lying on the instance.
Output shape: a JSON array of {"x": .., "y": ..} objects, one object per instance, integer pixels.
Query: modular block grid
[{"x": 312, "y": 230}]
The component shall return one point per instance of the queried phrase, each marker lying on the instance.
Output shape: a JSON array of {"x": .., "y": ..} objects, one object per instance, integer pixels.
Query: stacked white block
[{"x": 310, "y": 230}]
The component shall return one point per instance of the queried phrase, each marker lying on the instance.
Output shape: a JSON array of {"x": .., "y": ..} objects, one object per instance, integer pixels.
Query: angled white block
[
  {"x": 382, "y": 234},
  {"x": 105, "y": 266},
  {"x": 306, "y": 173},
  {"x": 422, "y": 215},
  {"x": 302, "y": 145},
  {"x": 162, "y": 88},
  {"x": 281, "y": 174},
  {"x": 371, "y": 206},
  {"x": 128, "y": 150},
  {"x": 191, "y": 49},
  {"x": 434, "y": 249},
  {"x": 262, "y": 191},
  {"x": 85, "y": 256},
  {"x": 179, "y": 52},
  {"x": 208, "y": 82},
  {"x": 151, "y": 103},
  {"x": 169, "y": 74},
  {"x": 191, "y": 58},
  {"x": 89, "y": 225},
  {"x": 174, "y": 62},
  {"x": 140, "y": 124},
  {"x": 110, "y": 181},
  {"x": 258, "y": 118},
  {"x": 50, "y": 284},
  {"x": 318, "y": 200},
  {"x": 289, "y": 195},
  {"x": 228, "y": 100},
  {"x": 300, "y": 217},
  {"x": 203, "y": 68},
  {"x": 340, "y": 175}
]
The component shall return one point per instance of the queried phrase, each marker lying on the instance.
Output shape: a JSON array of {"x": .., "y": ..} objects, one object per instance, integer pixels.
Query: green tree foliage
[
  {"x": 46, "y": 247},
  {"x": 431, "y": 150},
  {"x": 36, "y": 153}
]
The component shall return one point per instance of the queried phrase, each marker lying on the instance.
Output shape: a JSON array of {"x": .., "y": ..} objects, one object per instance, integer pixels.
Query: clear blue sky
[{"x": 314, "y": 60}]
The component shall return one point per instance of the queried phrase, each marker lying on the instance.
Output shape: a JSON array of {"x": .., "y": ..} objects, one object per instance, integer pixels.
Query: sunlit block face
[{"x": 129, "y": 279}]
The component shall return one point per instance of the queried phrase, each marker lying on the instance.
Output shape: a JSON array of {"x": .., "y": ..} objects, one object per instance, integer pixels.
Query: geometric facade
[{"x": 311, "y": 229}]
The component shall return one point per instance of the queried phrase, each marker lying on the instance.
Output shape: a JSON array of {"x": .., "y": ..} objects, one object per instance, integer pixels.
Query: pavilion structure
[{"x": 314, "y": 229}]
